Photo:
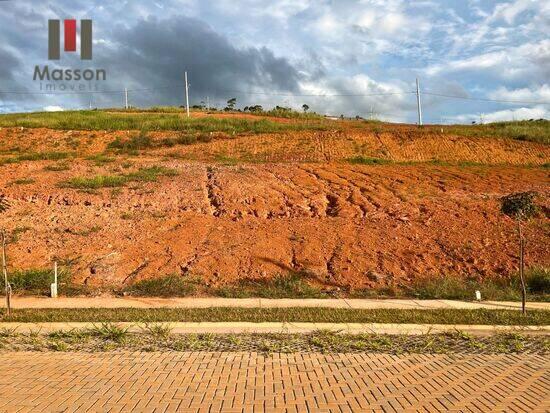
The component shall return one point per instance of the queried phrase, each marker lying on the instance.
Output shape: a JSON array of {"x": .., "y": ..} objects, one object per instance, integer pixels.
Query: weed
[
  {"x": 291, "y": 285},
  {"x": 7, "y": 332},
  {"x": 360, "y": 160},
  {"x": 499, "y": 289},
  {"x": 158, "y": 330},
  {"x": 96, "y": 182},
  {"x": 36, "y": 156},
  {"x": 310, "y": 315},
  {"x": 15, "y": 234},
  {"x": 23, "y": 181},
  {"x": 109, "y": 331},
  {"x": 167, "y": 286},
  {"x": 538, "y": 281},
  {"x": 135, "y": 143},
  {"x": 57, "y": 346},
  {"x": 150, "y": 174},
  {"x": 100, "y": 159},
  {"x": 58, "y": 167}
]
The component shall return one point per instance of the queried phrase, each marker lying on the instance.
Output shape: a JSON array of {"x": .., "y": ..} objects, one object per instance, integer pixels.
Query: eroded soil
[{"x": 257, "y": 206}]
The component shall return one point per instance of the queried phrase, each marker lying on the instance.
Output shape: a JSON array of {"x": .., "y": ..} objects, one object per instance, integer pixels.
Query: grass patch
[
  {"x": 96, "y": 182},
  {"x": 150, "y": 174},
  {"x": 23, "y": 181},
  {"x": 533, "y": 131},
  {"x": 293, "y": 285},
  {"x": 100, "y": 159},
  {"x": 168, "y": 286},
  {"x": 361, "y": 160},
  {"x": 111, "y": 337},
  {"x": 110, "y": 121},
  {"x": 36, "y": 281},
  {"x": 58, "y": 167},
  {"x": 36, "y": 156},
  {"x": 256, "y": 315},
  {"x": 135, "y": 143},
  {"x": 506, "y": 289},
  {"x": 142, "y": 141}
]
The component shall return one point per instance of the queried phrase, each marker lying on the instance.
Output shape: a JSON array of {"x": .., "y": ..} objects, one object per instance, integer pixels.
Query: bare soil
[{"x": 260, "y": 205}]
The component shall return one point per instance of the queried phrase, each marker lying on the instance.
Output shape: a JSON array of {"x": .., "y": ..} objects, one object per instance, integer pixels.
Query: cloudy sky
[{"x": 340, "y": 57}]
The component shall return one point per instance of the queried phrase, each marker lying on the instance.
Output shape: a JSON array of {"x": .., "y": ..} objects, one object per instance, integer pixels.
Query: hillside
[{"x": 222, "y": 198}]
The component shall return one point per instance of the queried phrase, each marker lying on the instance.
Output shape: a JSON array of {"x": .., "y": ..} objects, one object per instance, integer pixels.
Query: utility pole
[
  {"x": 207, "y": 102},
  {"x": 372, "y": 113},
  {"x": 418, "y": 103},
  {"x": 126, "y": 97},
  {"x": 186, "y": 95}
]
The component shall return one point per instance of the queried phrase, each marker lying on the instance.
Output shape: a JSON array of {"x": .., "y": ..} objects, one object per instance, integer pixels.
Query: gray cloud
[{"x": 155, "y": 53}]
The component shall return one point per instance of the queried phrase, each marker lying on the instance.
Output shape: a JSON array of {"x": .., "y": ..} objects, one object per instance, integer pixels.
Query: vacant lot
[{"x": 222, "y": 199}]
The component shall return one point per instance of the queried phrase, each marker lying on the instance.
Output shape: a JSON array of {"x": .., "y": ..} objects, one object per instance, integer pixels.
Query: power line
[
  {"x": 281, "y": 94},
  {"x": 16, "y": 92},
  {"x": 486, "y": 100}
]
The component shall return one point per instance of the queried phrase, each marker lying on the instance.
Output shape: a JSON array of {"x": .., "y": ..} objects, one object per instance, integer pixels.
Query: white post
[
  {"x": 126, "y": 97},
  {"x": 418, "y": 103},
  {"x": 186, "y": 95},
  {"x": 207, "y": 103},
  {"x": 91, "y": 96},
  {"x": 54, "y": 285}
]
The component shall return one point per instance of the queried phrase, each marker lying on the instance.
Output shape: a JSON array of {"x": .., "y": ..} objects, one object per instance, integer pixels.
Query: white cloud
[
  {"x": 53, "y": 109},
  {"x": 507, "y": 64},
  {"x": 510, "y": 11},
  {"x": 537, "y": 112},
  {"x": 540, "y": 94}
]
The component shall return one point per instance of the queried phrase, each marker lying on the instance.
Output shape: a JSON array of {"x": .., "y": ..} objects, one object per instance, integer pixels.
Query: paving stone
[{"x": 252, "y": 382}]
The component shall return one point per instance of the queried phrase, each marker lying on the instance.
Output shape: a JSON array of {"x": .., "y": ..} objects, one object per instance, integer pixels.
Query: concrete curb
[
  {"x": 207, "y": 302},
  {"x": 285, "y": 327}
]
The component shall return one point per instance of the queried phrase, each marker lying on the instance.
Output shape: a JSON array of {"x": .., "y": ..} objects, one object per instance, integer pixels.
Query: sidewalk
[{"x": 191, "y": 302}]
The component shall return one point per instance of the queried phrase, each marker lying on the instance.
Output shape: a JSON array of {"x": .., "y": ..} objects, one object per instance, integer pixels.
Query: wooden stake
[
  {"x": 5, "y": 272},
  {"x": 521, "y": 269}
]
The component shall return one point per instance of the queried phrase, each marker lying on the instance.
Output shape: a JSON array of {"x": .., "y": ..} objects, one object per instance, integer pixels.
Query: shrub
[{"x": 135, "y": 143}]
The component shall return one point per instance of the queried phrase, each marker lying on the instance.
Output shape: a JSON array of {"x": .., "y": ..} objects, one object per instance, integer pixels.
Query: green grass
[
  {"x": 101, "y": 120},
  {"x": 58, "y": 167},
  {"x": 295, "y": 285},
  {"x": 111, "y": 337},
  {"x": 454, "y": 288},
  {"x": 361, "y": 160},
  {"x": 310, "y": 315},
  {"x": 292, "y": 285},
  {"x": 168, "y": 286},
  {"x": 100, "y": 159},
  {"x": 143, "y": 141},
  {"x": 95, "y": 182},
  {"x": 150, "y": 174},
  {"x": 36, "y": 156},
  {"x": 35, "y": 281},
  {"x": 536, "y": 131}
]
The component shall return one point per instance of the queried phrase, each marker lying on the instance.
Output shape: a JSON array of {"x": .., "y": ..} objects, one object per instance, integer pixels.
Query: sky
[{"x": 356, "y": 58}]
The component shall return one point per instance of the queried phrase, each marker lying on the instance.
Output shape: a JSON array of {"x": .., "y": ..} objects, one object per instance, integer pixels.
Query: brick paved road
[{"x": 242, "y": 382}]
